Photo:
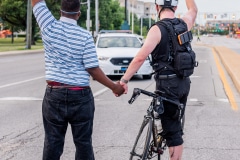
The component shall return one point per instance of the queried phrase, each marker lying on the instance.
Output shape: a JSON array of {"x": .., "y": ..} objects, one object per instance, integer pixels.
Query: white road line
[
  {"x": 223, "y": 100},
  {"x": 20, "y": 99},
  {"x": 40, "y": 99},
  {"x": 35, "y": 98},
  {"x": 193, "y": 99},
  {"x": 20, "y": 82},
  {"x": 100, "y": 92}
]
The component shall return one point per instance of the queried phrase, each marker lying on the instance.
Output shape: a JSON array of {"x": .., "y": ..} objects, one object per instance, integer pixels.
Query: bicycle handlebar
[{"x": 138, "y": 91}]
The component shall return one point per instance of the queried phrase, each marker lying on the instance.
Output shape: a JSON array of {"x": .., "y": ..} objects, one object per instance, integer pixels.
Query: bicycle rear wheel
[{"x": 142, "y": 142}]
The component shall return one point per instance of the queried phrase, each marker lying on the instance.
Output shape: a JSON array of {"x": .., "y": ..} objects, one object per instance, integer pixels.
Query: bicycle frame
[{"x": 157, "y": 145}]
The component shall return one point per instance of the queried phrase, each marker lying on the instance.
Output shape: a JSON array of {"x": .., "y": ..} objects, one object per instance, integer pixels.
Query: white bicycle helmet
[{"x": 167, "y": 3}]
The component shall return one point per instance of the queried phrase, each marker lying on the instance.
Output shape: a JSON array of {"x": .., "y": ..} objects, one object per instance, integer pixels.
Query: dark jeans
[{"x": 62, "y": 107}]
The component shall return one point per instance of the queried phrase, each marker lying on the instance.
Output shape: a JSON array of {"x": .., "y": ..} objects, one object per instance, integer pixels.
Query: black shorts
[{"x": 176, "y": 89}]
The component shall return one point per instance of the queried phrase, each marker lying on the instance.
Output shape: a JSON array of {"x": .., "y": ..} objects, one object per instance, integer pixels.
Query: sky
[
  {"x": 215, "y": 7},
  {"x": 210, "y": 5}
]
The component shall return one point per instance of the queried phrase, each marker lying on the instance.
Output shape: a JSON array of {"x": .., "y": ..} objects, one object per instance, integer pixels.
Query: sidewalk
[
  {"x": 21, "y": 52},
  {"x": 228, "y": 50},
  {"x": 230, "y": 60}
]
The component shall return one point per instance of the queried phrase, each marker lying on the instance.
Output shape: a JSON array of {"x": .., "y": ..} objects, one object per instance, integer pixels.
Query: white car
[{"x": 115, "y": 52}]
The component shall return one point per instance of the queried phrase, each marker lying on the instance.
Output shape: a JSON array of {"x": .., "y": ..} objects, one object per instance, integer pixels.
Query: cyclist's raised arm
[{"x": 191, "y": 14}]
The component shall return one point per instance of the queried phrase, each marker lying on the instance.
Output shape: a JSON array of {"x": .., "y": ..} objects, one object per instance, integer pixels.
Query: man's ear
[
  {"x": 175, "y": 8},
  {"x": 157, "y": 7}
]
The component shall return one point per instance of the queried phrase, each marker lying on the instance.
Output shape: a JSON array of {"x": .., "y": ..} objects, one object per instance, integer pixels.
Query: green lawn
[{"x": 18, "y": 44}]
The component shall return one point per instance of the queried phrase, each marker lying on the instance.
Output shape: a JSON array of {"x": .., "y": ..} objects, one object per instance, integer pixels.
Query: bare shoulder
[{"x": 154, "y": 34}]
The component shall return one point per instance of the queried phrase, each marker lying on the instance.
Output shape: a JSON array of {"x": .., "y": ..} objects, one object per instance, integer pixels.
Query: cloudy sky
[
  {"x": 214, "y": 5},
  {"x": 218, "y": 8},
  {"x": 211, "y": 5}
]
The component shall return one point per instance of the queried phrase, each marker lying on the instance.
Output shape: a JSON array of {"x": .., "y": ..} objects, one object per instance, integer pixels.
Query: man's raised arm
[
  {"x": 34, "y": 2},
  {"x": 191, "y": 14}
]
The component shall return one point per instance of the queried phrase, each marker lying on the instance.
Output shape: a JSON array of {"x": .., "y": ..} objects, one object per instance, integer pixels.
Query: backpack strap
[{"x": 158, "y": 67}]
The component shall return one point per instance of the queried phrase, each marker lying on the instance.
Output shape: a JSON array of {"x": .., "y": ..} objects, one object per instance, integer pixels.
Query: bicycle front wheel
[{"x": 142, "y": 142}]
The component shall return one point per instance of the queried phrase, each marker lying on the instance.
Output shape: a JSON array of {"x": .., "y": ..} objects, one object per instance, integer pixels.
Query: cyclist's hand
[
  {"x": 118, "y": 89},
  {"x": 125, "y": 86}
]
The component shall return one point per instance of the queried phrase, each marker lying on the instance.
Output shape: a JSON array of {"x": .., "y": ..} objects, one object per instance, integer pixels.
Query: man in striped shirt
[{"x": 70, "y": 59}]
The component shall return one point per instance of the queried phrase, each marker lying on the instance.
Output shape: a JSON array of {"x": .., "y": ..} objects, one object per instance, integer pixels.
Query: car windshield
[{"x": 107, "y": 42}]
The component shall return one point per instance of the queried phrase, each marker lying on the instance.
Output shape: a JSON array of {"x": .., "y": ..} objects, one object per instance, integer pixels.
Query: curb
[
  {"x": 230, "y": 60},
  {"x": 21, "y": 52}
]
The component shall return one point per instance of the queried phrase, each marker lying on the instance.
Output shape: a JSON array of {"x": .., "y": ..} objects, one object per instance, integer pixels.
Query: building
[{"x": 140, "y": 8}]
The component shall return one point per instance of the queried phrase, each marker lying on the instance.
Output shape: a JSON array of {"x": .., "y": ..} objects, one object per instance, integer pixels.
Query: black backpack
[{"x": 182, "y": 57}]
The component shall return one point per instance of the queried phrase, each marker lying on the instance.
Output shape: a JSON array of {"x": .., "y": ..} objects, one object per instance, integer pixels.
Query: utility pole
[
  {"x": 141, "y": 24},
  {"x": 132, "y": 19},
  {"x": 29, "y": 25},
  {"x": 96, "y": 17},
  {"x": 88, "y": 15},
  {"x": 126, "y": 10},
  {"x": 125, "y": 25}
]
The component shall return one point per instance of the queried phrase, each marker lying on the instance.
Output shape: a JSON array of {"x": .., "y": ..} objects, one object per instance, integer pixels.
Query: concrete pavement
[{"x": 229, "y": 57}]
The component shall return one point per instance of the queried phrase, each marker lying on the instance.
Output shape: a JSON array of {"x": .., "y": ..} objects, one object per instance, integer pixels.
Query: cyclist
[{"x": 176, "y": 88}]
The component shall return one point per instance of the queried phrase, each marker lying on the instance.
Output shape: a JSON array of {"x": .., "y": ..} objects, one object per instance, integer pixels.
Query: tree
[
  {"x": 111, "y": 15},
  {"x": 14, "y": 14}
]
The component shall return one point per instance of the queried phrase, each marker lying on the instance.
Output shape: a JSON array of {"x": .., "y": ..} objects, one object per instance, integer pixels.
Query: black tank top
[{"x": 161, "y": 52}]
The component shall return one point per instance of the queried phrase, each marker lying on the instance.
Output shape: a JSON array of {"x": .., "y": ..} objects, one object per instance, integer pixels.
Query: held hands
[
  {"x": 125, "y": 86},
  {"x": 118, "y": 90}
]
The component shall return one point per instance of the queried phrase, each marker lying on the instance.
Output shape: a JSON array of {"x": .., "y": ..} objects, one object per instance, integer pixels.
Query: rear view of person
[
  {"x": 70, "y": 59},
  {"x": 175, "y": 87}
]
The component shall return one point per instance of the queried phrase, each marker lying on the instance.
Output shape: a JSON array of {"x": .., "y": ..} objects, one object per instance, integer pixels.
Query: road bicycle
[{"x": 149, "y": 143}]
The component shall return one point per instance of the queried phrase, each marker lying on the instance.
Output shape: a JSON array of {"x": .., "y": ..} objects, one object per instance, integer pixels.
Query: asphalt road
[{"x": 211, "y": 130}]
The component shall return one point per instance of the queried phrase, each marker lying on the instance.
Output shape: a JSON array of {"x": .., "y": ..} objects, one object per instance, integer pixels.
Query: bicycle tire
[{"x": 142, "y": 142}]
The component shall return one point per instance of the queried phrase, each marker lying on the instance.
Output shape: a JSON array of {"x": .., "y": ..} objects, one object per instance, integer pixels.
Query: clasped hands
[{"x": 120, "y": 88}]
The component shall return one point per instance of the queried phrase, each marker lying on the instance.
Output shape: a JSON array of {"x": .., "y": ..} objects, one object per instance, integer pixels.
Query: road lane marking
[
  {"x": 100, "y": 92},
  {"x": 226, "y": 85},
  {"x": 20, "y": 99},
  {"x": 20, "y": 82},
  {"x": 193, "y": 99},
  {"x": 40, "y": 99}
]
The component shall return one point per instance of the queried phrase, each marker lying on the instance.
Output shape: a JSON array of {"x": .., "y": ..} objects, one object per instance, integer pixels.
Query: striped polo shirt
[{"x": 69, "y": 49}]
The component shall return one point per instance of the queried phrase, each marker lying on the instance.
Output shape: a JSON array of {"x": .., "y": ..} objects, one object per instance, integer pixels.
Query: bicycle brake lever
[{"x": 136, "y": 93}]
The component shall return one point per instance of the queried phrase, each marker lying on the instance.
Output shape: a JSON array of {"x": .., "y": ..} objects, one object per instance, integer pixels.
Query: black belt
[{"x": 169, "y": 76}]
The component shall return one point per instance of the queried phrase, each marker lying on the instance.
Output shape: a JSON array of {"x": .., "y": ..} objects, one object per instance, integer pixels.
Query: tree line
[{"x": 111, "y": 16}]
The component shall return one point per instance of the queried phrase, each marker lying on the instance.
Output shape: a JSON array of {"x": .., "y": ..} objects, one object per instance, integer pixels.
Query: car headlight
[{"x": 102, "y": 58}]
